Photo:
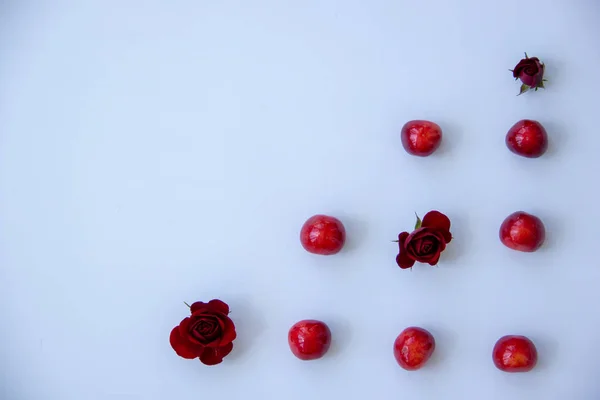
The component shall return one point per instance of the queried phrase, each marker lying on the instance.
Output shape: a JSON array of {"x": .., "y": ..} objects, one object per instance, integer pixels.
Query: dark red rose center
[
  {"x": 205, "y": 329},
  {"x": 531, "y": 69},
  {"x": 426, "y": 245}
]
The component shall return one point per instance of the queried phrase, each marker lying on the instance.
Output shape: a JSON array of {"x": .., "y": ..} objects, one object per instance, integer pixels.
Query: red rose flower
[
  {"x": 426, "y": 242},
  {"x": 530, "y": 71},
  {"x": 207, "y": 334}
]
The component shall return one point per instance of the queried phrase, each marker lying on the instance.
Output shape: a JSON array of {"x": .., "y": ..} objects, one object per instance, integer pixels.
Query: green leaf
[
  {"x": 418, "y": 223},
  {"x": 524, "y": 88}
]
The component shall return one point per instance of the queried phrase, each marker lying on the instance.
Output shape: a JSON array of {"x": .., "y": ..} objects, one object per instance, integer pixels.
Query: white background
[{"x": 155, "y": 152}]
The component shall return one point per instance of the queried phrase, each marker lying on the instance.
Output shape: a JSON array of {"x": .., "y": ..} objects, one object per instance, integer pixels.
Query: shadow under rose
[
  {"x": 451, "y": 256},
  {"x": 249, "y": 325},
  {"x": 554, "y": 71}
]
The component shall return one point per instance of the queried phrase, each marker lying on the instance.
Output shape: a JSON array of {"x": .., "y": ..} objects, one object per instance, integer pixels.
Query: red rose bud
[
  {"x": 207, "y": 334},
  {"x": 426, "y": 243},
  {"x": 530, "y": 71}
]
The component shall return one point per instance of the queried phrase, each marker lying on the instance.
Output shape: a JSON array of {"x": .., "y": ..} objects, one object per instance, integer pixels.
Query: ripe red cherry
[
  {"x": 421, "y": 138},
  {"x": 527, "y": 138},
  {"x": 413, "y": 347},
  {"x": 323, "y": 235},
  {"x": 309, "y": 339},
  {"x": 514, "y": 354},
  {"x": 523, "y": 232}
]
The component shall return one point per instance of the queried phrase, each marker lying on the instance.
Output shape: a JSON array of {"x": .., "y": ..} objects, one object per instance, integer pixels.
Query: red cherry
[
  {"x": 309, "y": 339},
  {"x": 413, "y": 347},
  {"x": 421, "y": 138},
  {"x": 523, "y": 232},
  {"x": 527, "y": 138},
  {"x": 514, "y": 354},
  {"x": 323, "y": 235}
]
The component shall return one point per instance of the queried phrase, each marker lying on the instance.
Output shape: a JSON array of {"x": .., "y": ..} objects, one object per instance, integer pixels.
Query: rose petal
[
  {"x": 417, "y": 240},
  {"x": 520, "y": 67},
  {"x": 206, "y": 324},
  {"x": 402, "y": 239},
  {"x": 530, "y": 71},
  {"x": 412, "y": 241},
  {"x": 435, "y": 259},
  {"x": 198, "y": 306},
  {"x": 441, "y": 240},
  {"x": 226, "y": 333},
  {"x": 527, "y": 79},
  {"x": 182, "y": 347},
  {"x": 402, "y": 259},
  {"x": 442, "y": 246},
  {"x": 214, "y": 355},
  {"x": 218, "y": 306},
  {"x": 420, "y": 257},
  {"x": 437, "y": 220},
  {"x": 410, "y": 250},
  {"x": 184, "y": 327},
  {"x": 532, "y": 67},
  {"x": 427, "y": 247},
  {"x": 205, "y": 330},
  {"x": 229, "y": 333},
  {"x": 447, "y": 236},
  {"x": 215, "y": 340}
]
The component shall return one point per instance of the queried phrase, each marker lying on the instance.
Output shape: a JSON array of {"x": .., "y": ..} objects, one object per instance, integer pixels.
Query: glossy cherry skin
[
  {"x": 522, "y": 232},
  {"x": 527, "y": 138},
  {"x": 514, "y": 353},
  {"x": 322, "y": 234},
  {"x": 413, "y": 347},
  {"x": 309, "y": 339},
  {"x": 421, "y": 138}
]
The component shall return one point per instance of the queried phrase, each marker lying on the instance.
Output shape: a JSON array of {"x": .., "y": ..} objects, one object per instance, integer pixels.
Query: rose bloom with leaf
[
  {"x": 426, "y": 243},
  {"x": 207, "y": 334},
  {"x": 530, "y": 71}
]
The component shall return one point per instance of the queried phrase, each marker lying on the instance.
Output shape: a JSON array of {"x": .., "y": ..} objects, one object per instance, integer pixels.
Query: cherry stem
[{"x": 187, "y": 304}]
